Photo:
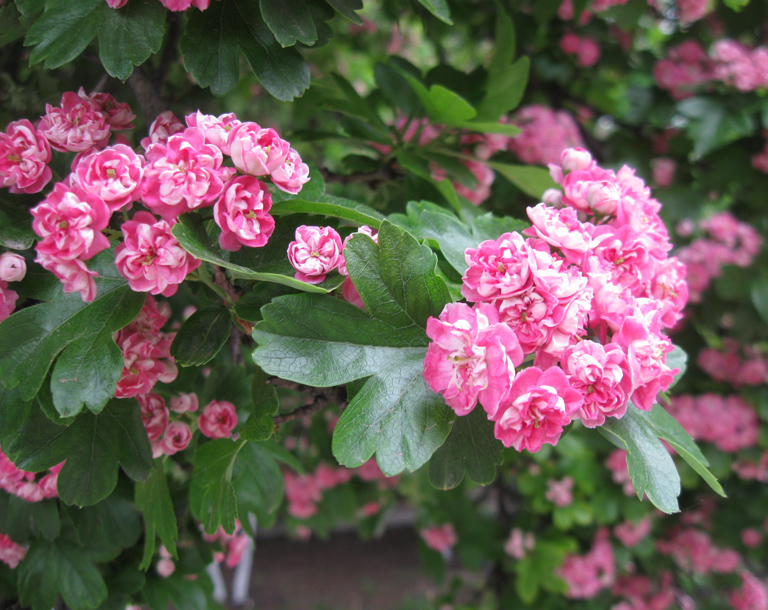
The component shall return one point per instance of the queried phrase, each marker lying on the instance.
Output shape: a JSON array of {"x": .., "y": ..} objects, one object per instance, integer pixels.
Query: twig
[
  {"x": 321, "y": 397},
  {"x": 148, "y": 94},
  {"x": 220, "y": 279}
]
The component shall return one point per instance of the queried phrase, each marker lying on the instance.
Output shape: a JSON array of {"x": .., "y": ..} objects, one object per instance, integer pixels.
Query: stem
[{"x": 322, "y": 397}]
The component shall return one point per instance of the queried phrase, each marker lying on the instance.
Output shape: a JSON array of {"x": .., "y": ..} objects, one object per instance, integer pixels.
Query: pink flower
[
  {"x": 631, "y": 534},
  {"x": 184, "y": 403},
  {"x": 537, "y": 407},
  {"x": 77, "y": 126},
  {"x": 292, "y": 174},
  {"x": 10, "y": 552},
  {"x": 116, "y": 3},
  {"x": 150, "y": 258},
  {"x": 314, "y": 253},
  {"x": 163, "y": 127},
  {"x": 74, "y": 274},
  {"x": 13, "y": 267},
  {"x": 575, "y": 159},
  {"x": 519, "y": 543},
  {"x": 560, "y": 493},
  {"x": 545, "y": 133},
  {"x": 663, "y": 171},
  {"x": 601, "y": 374},
  {"x": 24, "y": 158},
  {"x": 303, "y": 493},
  {"x": 242, "y": 213},
  {"x": 119, "y": 115},
  {"x": 218, "y": 419},
  {"x": 70, "y": 222},
  {"x": 257, "y": 151},
  {"x": 235, "y": 549},
  {"x": 8, "y": 300},
  {"x": 753, "y": 594},
  {"x": 751, "y": 537},
  {"x": 472, "y": 357},
  {"x": 154, "y": 415},
  {"x": 441, "y": 538},
  {"x": 498, "y": 269},
  {"x": 216, "y": 129},
  {"x": 165, "y": 567},
  {"x": 183, "y": 5},
  {"x": 561, "y": 229},
  {"x": 113, "y": 174},
  {"x": 176, "y": 438},
  {"x": 183, "y": 174}
]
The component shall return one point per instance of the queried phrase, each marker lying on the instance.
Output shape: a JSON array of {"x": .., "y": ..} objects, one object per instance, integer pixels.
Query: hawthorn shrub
[{"x": 302, "y": 262}]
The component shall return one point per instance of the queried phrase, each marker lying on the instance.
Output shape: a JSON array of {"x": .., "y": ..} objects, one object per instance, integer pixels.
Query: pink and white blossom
[
  {"x": 13, "y": 267},
  {"x": 292, "y": 174},
  {"x": 218, "y": 419},
  {"x": 242, "y": 213},
  {"x": 8, "y": 300},
  {"x": 216, "y": 129},
  {"x": 175, "y": 438},
  {"x": 154, "y": 415},
  {"x": 24, "y": 157},
  {"x": 163, "y": 127},
  {"x": 314, "y": 253},
  {"x": 184, "y": 403},
  {"x": 257, "y": 151},
  {"x": 78, "y": 125},
  {"x": 113, "y": 174}
]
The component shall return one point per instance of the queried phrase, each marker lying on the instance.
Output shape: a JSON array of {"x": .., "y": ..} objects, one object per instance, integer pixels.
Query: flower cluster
[
  {"x": 26, "y": 485},
  {"x": 586, "y": 575},
  {"x": 11, "y": 553},
  {"x": 440, "y": 538},
  {"x": 171, "y": 5},
  {"x": 585, "y": 49},
  {"x": 734, "y": 364},
  {"x": 545, "y": 134},
  {"x": 233, "y": 545},
  {"x": 588, "y": 300}
]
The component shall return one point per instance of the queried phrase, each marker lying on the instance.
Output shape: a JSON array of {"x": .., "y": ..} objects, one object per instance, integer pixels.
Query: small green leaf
[
  {"x": 470, "y": 448},
  {"x": 441, "y": 105},
  {"x": 651, "y": 467},
  {"x": 760, "y": 297},
  {"x": 712, "y": 124},
  {"x": 202, "y": 335},
  {"x": 504, "y": 91},
  {"x": 15, "y": 220},
  {"x": 528, "y": 178},
  {"x": 439, "y": 8},
  {"x": 153, "y": 499},
  {"x": 347, "y": 9},
  {"x": 64, "y": 30},
  {"x": 14, "y": 411},
  {"x": 504, "y": 129},
  {"x": 128, "y": 36},
  {"x": 259, "y": 425},
  {"x": 328, "y": 205},
  {"x": 290, "y": 21},
  {"x": 58, "y": 568},
  {"x": 214, "y": 463},
  {"x": 396, "y": 89},
  {"x": 258, "y": 484},
  {"x": 677, "y": 359}
]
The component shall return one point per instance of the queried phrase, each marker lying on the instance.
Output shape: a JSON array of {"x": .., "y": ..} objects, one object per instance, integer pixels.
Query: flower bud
[
  {"x": 552, "y": 197},
  {"x": 13, "y": 267},
  {"x": 575, "y": 159}
]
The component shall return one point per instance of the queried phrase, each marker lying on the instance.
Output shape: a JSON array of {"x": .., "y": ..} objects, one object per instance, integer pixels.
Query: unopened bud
[
  {"x": 13, "y": 267},
  {"x": 575, "y": 159}
]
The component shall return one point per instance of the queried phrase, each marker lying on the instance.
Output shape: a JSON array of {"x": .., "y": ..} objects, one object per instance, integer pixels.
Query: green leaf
[
  {"x": 439, "y": 8},
  {"x": 282, "y": 72},
  {"x": 15, "y": 220},
  {"x": 190, "y": 231},
  {"x": 107, "y": 528},
  {"x": 489, "y": 226},
  {"x": 259, "y": 425},
  {"x": 11, "y": 27},
  {"x": 441, "y": 105},
  {"x": 209, "y": 47},
  {"x": 58, "y": 568},
  {"x": 128, "y": 36},
  {"x": 153, "y": 499},
  {"x": 328, "y": 205},
  {"x": 92, "y": 446},
  {"x": 290, "y": 21},
  {"x": 429, "y": 221},
  {"x": 202, "y": 335},
  {"x": 258, "y": 484},
  {"x": 504, "y": 91},
  {"x": 665, "y": 426},
  {"x": 712, "y": 124},
  {"x": 504, "y": 129},
  {"x": 530, "y": 179},
  {"x": 470, "y": 448},
  {"x": 25, "y": 520},
  {"x": 677, "y": 359},
  {"x": 14, "y": 411},
  {"x": 760, "y": 297},
  {"x": 79, "y": 334},
  {"x": 64, "y": 30},
  {"x": 651, "y": 467},
  {"x": 214, "y": 463},
  {"x": 347, "y": 9},
  {"x": 396, "y": 89},
  {"x": 736, "y": 5}
]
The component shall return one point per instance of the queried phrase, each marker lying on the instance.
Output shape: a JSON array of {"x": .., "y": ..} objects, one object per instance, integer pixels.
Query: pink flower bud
[
  {"x": 13, "y": 267},
  {"x": 166, "y": 567},
  {"x": 574, "y": 159},
  {"x": 552, "y": 197},
  {"x": 176, "y": 438},
  {"x": 184, "y": 403}
]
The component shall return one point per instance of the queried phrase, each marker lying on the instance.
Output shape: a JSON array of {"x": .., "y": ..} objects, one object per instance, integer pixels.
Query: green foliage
[
  {"x": 202, "y": 335},
  {"x": 153, "y": 499}
]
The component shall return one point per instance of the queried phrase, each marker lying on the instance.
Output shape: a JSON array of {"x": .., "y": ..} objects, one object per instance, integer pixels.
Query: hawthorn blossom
[
  {"x": 163, "y": 127},
  {"x": 11, "y": 553},
  {"x": 441, "y": 538},
  {"x": 753, "y": 594},
  {"x": 175, "y": 438},
  {"x": 472, "y": 357},
  {"x": 119, "y": 114},
  {"x": 257, "y": 151},
  {"x": 150, "y": 258},
  {"x": 538, "y": 405},
  {"x": 78, "y": 125},
  {"x": 292, "y": 174},
  {"x": 519, "y": 543},
  {"x": 242, "y": 213},
  {"x": 183, "y": 5},
  {"x": 560, "y": 493},
  {"x": 24, "y": 158},
  {"x": 13, "y": 267},
  {"x": 586, "y": 575},
  {"x": 74, "y": 274},
  {"x": 154, "y": 415},
  {"x": 631, "y": 534},
  {"x": 216, "y": 129},
  {"x": 314, "y": 253},
  {"x": 545, "y": 134},
  {"x": 8, "y": 300},
  {"x": 218, "y": 419},
  {"x": 184, "y": 403},
  {"x": 113, "y": 174}
]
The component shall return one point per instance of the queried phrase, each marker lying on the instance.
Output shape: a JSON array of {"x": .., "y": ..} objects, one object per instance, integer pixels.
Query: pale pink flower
[
  {"x": 545, "y": 134},
  {"x": 242, "y": 213},
  {"x": 631, "y": 534},
  {"x": 663, "y": 171},
  {"x": 78, "y": 125},
  {"x": 292, "y": 174},
  {"x": 751, "y": 537},
  {"x": 560, "y": 493},
  {"x": 154, "y": 415},
  {"x": 24, "y": 158},
  {"x": 146, "y": 354},
  {"x": 257, "y": 151},
  {"x": 302, "y": 493},
  {"x": 10, "y": 552},
  {"x": 472, "y": 357},
  {"x": 561, "y": 229},
  {"x": 184, "y": 403},
  {"x": 519, "y": 543},
  {"x": 601, "y": 374},
  {"x": 183, "y": 174},
  {"x": 218, "y": 419},
  {"x": 236, "y": 546},
  {"x": 74, "y": 274},
  {"x": 119, "y": 114},
  {"x": 537, "y": 407},
  {"x": 314, "y": 253},
  {"x": 175, "y": 438},
  {"x": 150, "y": 258},
  {"x": 13, "y": 267},
  {"x": 165, "y": 567},
  {"x": 485, "y": 177},
  {"x": 574, "y": 159},
  {"x": 498, "y": 269},
  {"x": 586, "y": 575},
  {"x": 441, "y": 538},
  {"x": 113, "y": 174},
  {"x": 216, "y": 129},
  {"x": 163, "y": 127}
]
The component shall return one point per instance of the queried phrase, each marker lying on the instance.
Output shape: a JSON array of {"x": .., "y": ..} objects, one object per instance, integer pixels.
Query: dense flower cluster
[
  {"x": 171, "y": 5},
  {"x": 735, "y": 364},
  {"x": 586, "y": 575},
  {"x": 585, "y": 49},
  {"x": 588, "y": 299},
  {"x": 27, "y": 485},
  {"x": 545, "y": 134},
  {"x": 11, "y": 553}
]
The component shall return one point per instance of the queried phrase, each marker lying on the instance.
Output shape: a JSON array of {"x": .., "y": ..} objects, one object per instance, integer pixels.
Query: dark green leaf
[
  {"x": 202, "y": 335},
  {"x": 15, "y": 220},
  {"x": 92, "y": 446},
  {"x": 489, "y": 226},
  {"x": 25, "y": 520},
  {"x": 154, "y": 501},
  {"x": 64, "y": 30},
  {"x": 504, "y": 91},
  {"x": 439, "y": 8},
  {"x": 78, "y": 334},
  {"x": 470, "y": 448},
  {"x": 258, "y": 484},
  {"x": 259, "y": 425},
  {"x": 665, "y": 426},
  {"x": 396, "y": 89},
  {"x": 760, "y": 297},
  {"x": 214, "y": 464},
  {"x": 347, "y": 9},
  {"x": 651, "y": 467},
  {"x": 58, "y": 568},
  {"x": 14, "y": 411},
  {"x": 530, "y": 179},
  {"x": 442, "y": 105},
  {"x": 11, "y": 27},
  {"x": 108, "y": 527},
  {"x": 282, "y": 72},
  {"x": 128, "y": 36},
  {"x": 328, "y": 205},
  {"x": 712, "y": 125},
  {"x": 209, "y": 47},
  {"x": 290, "y": 21}
]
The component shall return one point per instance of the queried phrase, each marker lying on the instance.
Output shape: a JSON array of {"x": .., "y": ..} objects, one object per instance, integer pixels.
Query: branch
[
  {"x": 148, "y": 94},
  {"x": 321, "y": 397}
]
